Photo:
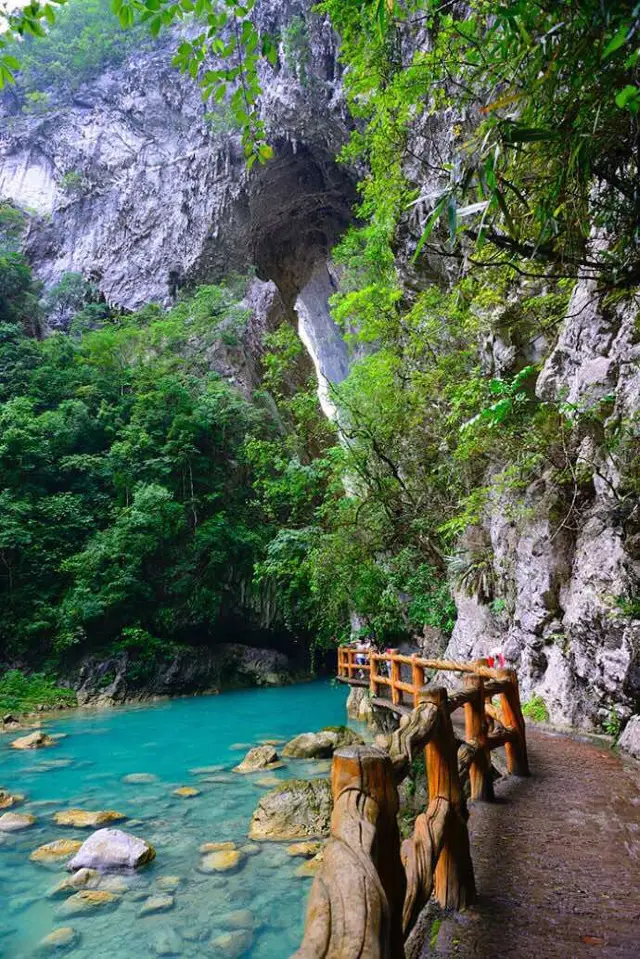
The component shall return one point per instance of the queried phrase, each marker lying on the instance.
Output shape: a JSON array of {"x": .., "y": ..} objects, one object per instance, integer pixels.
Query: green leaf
[
  {"x": 452, "y": 217},
  {"x": 616, "y": 41},
  {"x": 428, "y": 229},
  {"x": 626, "y": 96}
]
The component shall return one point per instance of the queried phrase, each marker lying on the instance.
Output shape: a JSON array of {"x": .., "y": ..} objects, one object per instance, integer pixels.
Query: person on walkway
[
  {"x": 363, "y": 649},
  {"x": 496, "y": 658}
]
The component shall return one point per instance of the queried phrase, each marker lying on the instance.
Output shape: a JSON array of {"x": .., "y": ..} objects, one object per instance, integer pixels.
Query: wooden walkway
[
  {"x": 370, "y": 890},
  {"x": 556, "y": 861},
  {"x": 547, "y": 868}
]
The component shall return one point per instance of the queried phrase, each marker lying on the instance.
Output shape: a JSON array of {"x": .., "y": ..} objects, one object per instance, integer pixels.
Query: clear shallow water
[{"x": 167, "y": 740}]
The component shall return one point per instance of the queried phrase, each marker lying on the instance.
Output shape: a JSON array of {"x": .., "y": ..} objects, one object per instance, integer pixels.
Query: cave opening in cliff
[{"x": 300, "y": 205}]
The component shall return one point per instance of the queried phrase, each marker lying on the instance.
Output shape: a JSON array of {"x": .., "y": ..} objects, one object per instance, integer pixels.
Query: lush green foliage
[
  {"x": 20, "y": 693},
  {"x": 125, "y": 502},
  {"x": 536, "y": 709},
  {"x": 84, "y": 39}
]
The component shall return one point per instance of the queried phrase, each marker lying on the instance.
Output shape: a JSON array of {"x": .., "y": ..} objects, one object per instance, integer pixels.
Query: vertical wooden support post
[
  {"x": 517, "y": 761},
  {"x": 356, "y": 901},
  {"x": 454, "y": 884},
  {"x": 373, "y": 675},
  {"x": 350, "y": 658},
  {"x": 341, "y": 661},
  {"x": 417, "y": 679},
  {"x": 475, "y": 730},
  {"x": 396, "y": 677}
]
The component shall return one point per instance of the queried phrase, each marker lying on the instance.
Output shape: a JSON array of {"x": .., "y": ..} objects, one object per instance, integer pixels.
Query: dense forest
[{"x": 141, "y": 492}]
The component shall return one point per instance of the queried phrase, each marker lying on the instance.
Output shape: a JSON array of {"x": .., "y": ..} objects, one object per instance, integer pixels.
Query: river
[{"x": 166, "y": 740}]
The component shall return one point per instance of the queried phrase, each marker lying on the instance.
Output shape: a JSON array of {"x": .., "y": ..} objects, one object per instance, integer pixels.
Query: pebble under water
[{"x": 170, "y": 741}]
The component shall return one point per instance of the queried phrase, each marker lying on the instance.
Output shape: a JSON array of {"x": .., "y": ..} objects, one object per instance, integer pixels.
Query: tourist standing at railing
[{"x": 363, "y": 649}]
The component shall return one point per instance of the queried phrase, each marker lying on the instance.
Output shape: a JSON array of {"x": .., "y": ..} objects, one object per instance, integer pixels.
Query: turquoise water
[{"x": 167, "y": 740}]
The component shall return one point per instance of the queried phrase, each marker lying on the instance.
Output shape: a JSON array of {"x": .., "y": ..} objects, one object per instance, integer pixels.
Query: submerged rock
[
  {"x": 308, "y": 869},
  {"x": 305, "y": 849},
  {"x": 14, "y": 821},
  {"x": 37, "y": 740},
  {"x": 88, "y": 900},
  {"x": 206, "y": 770},
  {"x": 321, "y": 745},
  {"x": 260, "y": 757},
  {"x": 298, "y": 809},
  {"x": 8, "y": 800},
  {"x": 186, "y": 792},
  {"x": 167, "y": 942},
  {"x": 217, "y": 846},
  {"x": 232, "y": 945},
  {"x": 112, "y": 850},
  {"x": 168, "y": 883},
  {"x": 62, "y": 938},
  {"x": 157, "y": 904},
  {"x": 139, "y": 779},
  {"x": 238, "y": 919},
  {"x": 267, "y": 782},
  {"x": 225, "y": 860},
  {"x": 84, "y": 819},
  {"x": 82, "y": 879},
  {"x": 55, "y": 851}
]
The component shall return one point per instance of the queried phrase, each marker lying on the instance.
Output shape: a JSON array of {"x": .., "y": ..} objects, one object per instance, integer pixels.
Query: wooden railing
[{"x": 370, "y": 888}]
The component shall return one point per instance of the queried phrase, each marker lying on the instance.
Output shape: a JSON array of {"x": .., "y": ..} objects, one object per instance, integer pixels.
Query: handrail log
[
  {"x": 410, "y": 738},
  {"x": 355, "y": 904}
]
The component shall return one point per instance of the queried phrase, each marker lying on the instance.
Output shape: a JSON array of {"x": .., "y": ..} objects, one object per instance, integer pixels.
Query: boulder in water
[
  {"x": 321, "y": 745},
  {"x": 139, "y": 779},
  {"x": 85, "y": 819},
  {"x": 8, "y": 800},
  {"x": 82, "y": 879},
  {"x": 298, "y": 809},
  {"x": 157, "y": 904},
  {"x": 14, "y": 821},
  {"x": 62, "y": 938},
  {"x": 88, "y": 900},
  {"x": 112, "y": 850},
  {"x": 168, "y": 943},
  {"x": 217, "y": 846},
  {"x": 305, "y": 849},
  {"x": 36, "y": 740},
  {"x": 232, "y": 945},
  {"x": 309, "y": 868},
  {"x": 186, "y": 792},
  {"x": 238, "y": 919},
  {"x": 225, "y": 860},
  {"x": 55, "y": 851},
  {"x": 258, "y": 758}
]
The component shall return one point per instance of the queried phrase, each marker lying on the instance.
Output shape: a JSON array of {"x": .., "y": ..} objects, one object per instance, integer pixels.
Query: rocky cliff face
[{"x": 164, "y": 200}]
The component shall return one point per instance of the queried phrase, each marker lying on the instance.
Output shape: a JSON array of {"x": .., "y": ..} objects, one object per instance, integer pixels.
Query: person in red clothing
[{"x": 496, "y": 658}]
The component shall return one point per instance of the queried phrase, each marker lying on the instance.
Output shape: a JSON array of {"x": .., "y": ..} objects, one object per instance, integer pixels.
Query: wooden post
[
  {"x": 475, "y": 730},
  {"x": 517, "y": 761},
  {"x": 355, "y": 905},
  {"x": 373, "y": 675},
  {"x": 417, "y": 679},
  {"x": 396, "y": 677},
  {"x": 453, "y": 880}
]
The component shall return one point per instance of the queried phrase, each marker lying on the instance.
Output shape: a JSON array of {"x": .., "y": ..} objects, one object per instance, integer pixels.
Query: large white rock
[
  {"x": 112, "y": 850},
  {"x": 630, "y": 739}
]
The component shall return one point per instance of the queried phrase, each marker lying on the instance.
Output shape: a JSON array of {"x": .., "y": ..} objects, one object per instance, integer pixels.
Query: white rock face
[
  {"x": 566, "y": 631},
  {"x": 112, "y": 850},
  {"x": 630, "y": 740}
]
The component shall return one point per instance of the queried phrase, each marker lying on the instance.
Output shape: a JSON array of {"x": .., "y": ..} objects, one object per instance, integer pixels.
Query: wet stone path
[{"x": 557, "y": 862}]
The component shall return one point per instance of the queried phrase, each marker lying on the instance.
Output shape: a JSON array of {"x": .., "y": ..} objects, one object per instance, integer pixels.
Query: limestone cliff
[{"x": 164, "y": 200}]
